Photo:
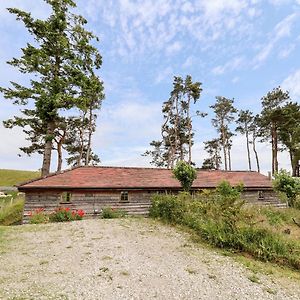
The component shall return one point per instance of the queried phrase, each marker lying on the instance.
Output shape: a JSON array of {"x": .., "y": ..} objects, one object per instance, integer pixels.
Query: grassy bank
[
  {"x": 11, "y": 213},
  {"x": 15, "y": 177},
  {"x": 221, "y": 219}
]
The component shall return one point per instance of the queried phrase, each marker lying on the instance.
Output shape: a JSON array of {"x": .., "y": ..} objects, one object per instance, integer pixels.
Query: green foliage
[
  {"x": 63, "y": 214},
  {"x": 14, "y": 177},
  {"x": 220, "y": 218},
  {"x": 287, "y": 184},
  {"x": 186, "y": 174},
  {"x": 112, "y": 213},
  {"x": 39, "y": 217},
  {"x": 61, "y": 63},
  {"x": 12, "y": 214},
  {"x": 177, "y": 129}
]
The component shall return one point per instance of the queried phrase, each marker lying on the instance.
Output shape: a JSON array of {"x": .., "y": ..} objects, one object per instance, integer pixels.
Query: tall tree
[
  {"x": 224, "y": 115},
  {"x": 52, "y": 61},
  {"x": 254, "y": 132},
  {"x": 289, "y": 134},
  {"x": 245, "y": 118},
  {"x": 270, "y": 119},
  {"x": 177, "y": 130},
  {"x": 213, "y": 148}
]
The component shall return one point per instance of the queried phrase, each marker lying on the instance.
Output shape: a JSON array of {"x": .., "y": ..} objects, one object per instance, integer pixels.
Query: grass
[
  {"x": 223, "y": 221},
  {"x": 15, "y": 177},
  {"x": 12, "y": 213}
]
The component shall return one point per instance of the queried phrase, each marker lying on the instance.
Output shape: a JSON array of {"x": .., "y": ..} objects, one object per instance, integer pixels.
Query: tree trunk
[
  {"x": 229, "y": 159},
  {"x": 274, "y": 149},
  {"x": 89, "y": 144},
  {"x": 190, "y": 130},
  {"x": 48, "y": 149},
  {"x": 256, "y": 155},
  {"x": 248, "y": 150},
  {"x": 59, "y": 156},
  {"x": 224, "y": 146}
]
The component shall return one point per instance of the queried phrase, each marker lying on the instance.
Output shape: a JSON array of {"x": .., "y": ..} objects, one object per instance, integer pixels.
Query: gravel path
[{"x": 123, "y": 259}]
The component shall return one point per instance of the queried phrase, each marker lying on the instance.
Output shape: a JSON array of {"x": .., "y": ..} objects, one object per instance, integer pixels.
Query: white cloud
[
  {"x": 173, "y": 48},
  {"x": 292, "y": 84},
  {"x": 286, "y": 51},
  {"x": 164, "y": 75},
  {"x": 281, "y": 30},
  {"x": 231, "y": 65}
]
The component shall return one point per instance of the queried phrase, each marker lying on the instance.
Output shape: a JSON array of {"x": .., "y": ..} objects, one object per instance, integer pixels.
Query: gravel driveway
[{"x": 123, "y": 259}]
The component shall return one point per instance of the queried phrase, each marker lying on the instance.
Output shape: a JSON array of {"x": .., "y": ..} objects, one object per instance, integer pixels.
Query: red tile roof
[{"x": 141, "y": 178}]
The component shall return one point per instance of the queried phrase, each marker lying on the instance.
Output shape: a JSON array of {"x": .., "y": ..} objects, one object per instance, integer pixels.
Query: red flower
[{"x": 80, "y": 213}]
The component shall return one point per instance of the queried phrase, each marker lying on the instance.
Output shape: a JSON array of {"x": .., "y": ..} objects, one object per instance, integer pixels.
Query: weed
[
  {"x": 254, "y": 278},
  {"x": 220, "y": 219},
  {"x": 12, "y": 213},
  {"x": 125, "y": 273},
  {"x": 112, "y": 213},
  {"x": 270, "y": 291},
  {"x": 191, "y": 271}
]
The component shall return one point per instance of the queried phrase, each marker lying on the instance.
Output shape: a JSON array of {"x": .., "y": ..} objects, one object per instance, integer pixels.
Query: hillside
[{"x": 14, "y": 177}]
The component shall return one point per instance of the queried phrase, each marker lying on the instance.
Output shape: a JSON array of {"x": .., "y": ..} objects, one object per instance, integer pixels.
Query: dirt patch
[{"x": 124, "y": 259}]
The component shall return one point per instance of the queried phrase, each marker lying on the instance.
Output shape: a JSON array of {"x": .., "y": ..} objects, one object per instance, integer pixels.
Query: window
[
  {"x": 66, "y": 197},
  {"x": 261, "y": 195},
  {"x": 124, "y": 196}
]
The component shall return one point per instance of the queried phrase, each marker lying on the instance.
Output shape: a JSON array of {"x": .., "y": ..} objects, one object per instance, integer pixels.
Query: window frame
[
  {"x": 65, "y": 198},
  {"x": 122, "y": 194}
]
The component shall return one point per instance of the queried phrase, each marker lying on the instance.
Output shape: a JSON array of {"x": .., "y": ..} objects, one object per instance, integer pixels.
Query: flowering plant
[
  {"x": 60, "y": 214},
  {"x": 38, "y": 216}
]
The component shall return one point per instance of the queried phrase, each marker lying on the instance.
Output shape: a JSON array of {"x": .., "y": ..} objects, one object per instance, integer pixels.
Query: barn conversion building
[{"x": 92, "y": 188}]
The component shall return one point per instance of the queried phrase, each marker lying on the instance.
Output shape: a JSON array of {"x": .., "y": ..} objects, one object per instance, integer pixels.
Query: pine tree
[
  {"x": 213, "y": 148},
  {"x": 177, "y": 130},
  {"x": 289, "y": 134},
  {"x": 270, "y": 119},
  {"x": 56, "y": 72},
  {"x": 244, "y": 120},
  {"x": 224, "y": 115}
]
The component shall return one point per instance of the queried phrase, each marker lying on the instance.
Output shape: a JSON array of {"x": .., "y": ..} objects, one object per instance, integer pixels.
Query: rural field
[
  {"x": 129, "y": 258},
  {"x": 9, "y": 178}
]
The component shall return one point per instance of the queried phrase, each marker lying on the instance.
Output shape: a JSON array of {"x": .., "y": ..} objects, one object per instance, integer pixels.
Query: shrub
[
  {"x": 38, "y": 216},
  {"x": 11, "y": 214},
  {"x": 186, "y": 174},
  {"x": 289, "y": 185},
  {"x": 219, "y": 218},
  {"x": 112, "y": 213},
  {"x": 64, "y": 214}
]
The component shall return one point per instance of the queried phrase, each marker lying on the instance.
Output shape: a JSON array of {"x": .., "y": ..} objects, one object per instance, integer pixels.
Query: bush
[
  {"x": 289, "y": 185},
  {"x": 186, "y": 174},
  {"x": 38, "y": 216},
  {"x": 63, "y": 214},
  {"x": 12, "y": 214},
  {"x": 112, "y": 213},
  {"x": 219, "y": 218}
]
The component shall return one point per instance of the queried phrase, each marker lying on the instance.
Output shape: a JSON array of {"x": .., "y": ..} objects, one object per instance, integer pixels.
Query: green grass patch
[
  {"x": 221, "y": 219},
  {"x": 15, "y": 177},
  {"x": 12, "y": 213}
]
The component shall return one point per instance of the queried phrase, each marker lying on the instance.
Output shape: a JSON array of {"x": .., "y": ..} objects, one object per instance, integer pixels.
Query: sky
[{"x": 239, "y": 49}]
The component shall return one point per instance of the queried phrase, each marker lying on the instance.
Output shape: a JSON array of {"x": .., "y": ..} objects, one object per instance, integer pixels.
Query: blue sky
[{"x": 237, "y": 48}]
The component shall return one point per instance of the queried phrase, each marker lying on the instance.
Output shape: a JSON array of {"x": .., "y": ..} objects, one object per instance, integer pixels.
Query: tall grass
[
  {"x": 221, "y": 219},
  {"x": 11, "y": 214}
]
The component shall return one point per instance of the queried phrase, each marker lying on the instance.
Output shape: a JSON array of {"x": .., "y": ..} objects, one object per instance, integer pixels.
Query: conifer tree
[
  {"x": 57, "y": 72},
  {"x": 224, "y": 115}
]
